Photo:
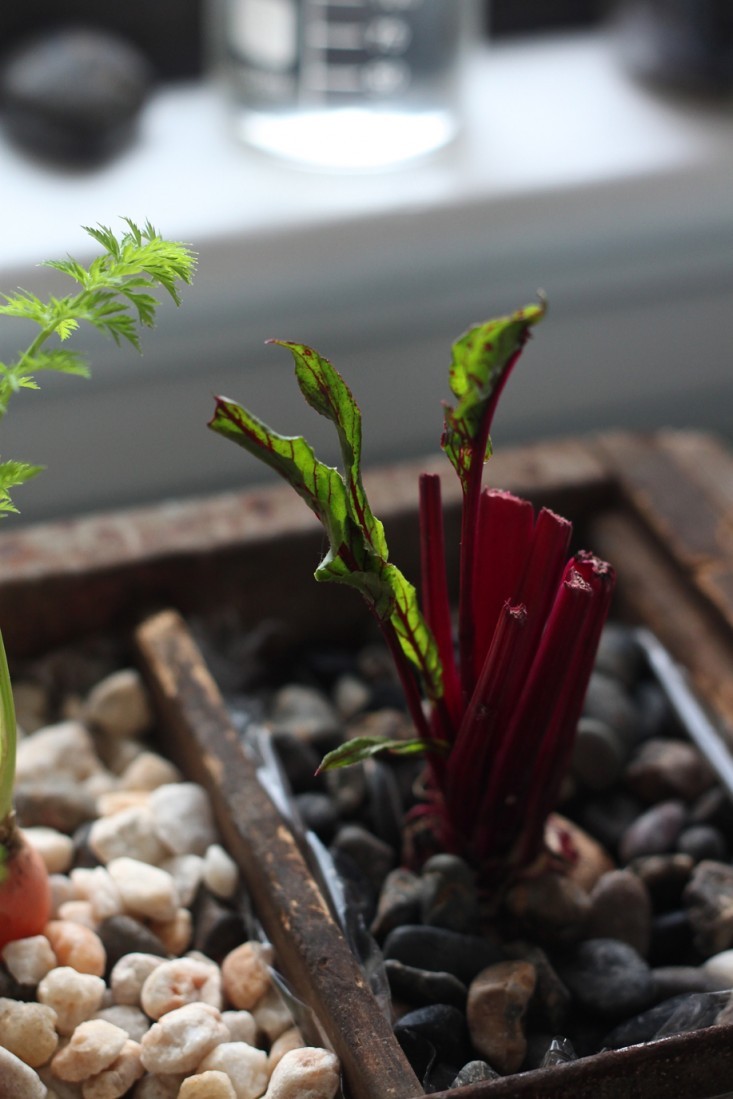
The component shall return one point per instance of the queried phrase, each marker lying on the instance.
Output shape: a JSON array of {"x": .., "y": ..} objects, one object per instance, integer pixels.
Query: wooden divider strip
[{"x": 310, "y": 949}]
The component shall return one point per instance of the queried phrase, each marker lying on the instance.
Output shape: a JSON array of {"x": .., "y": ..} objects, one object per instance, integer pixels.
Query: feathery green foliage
[{"x": 115, "y": 295}]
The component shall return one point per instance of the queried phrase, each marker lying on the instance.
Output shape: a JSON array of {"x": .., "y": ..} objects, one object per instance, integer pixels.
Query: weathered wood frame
[{"x": 659, "y": 507}]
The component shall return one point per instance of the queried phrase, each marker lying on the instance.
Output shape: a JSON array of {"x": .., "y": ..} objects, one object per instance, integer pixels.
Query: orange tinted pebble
[
  {"x": 76, "y": 946},
  {"x": 245, "y": 974}
]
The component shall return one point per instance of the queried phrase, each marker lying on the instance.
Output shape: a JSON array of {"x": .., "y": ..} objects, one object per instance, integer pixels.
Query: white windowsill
[
  {"x": 616, "y": 200},
  {"x": 544, "y": 115}
]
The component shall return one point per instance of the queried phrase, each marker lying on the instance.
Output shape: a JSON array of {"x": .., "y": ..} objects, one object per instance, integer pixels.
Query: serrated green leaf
[
  {"x": 22, "y": 304},
  {"x": 12, "y": 474},
  {"x": 68, "y": 267},
  {"x": 479, "y": 361},
  {"x": 59, "y": 359},
  {"x": 65, "y": 327},
  {"x": 104, "y": 236},
  {"x": 364, "y": 747},
  {"x": 12, "y": 384},
  {"x": 115, "y": 298},
  {"x": 145, "y": 306}
]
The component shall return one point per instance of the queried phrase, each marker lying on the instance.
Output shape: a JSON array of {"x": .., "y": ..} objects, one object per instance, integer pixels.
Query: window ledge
[
  {"x": 568, "y": 176},
  {"x": 558, "y": 113}
]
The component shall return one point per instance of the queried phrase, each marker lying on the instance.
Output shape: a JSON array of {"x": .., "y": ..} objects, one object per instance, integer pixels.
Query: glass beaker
[{"x": 346, "y": 83}]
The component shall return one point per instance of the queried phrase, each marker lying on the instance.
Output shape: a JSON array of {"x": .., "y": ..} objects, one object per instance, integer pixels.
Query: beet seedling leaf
[
  {"x": 325, "y": 390},
  {"x": 495, "y": 721},
  {"x": 360, "y": 748},
  {"x": 357, "y": 553},
  {"x": 480, "y": 365}
]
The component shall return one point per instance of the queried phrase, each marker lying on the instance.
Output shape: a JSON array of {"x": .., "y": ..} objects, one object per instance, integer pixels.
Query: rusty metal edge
[{"x": 698, "y": 1065}]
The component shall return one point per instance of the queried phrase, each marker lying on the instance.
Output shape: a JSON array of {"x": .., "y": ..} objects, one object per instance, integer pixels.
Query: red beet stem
[
  {"x": 545, "y": 564},
  {"x": 503, "y": 811},
  {"x": 469, "y": 527},
  {"x": 481, "y": 729},
  {"x": 435, "y": 598},
  {"x": 505, "y": 525},
  {"x": 557, "y": 747}
]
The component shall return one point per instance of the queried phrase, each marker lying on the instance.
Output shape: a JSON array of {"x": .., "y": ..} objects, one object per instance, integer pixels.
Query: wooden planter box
[{"x": 660, "y": 508}]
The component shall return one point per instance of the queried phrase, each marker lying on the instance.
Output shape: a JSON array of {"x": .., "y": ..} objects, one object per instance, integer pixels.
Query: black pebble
[
  {"x": 299, "y": 761},
  {"x": 656, "y": 717},
  {"x": 673, "y": 980},
  {"x": 672, "y": 939},
  {"x": 702, "y": 841},
  {"x": 419, "y": 1051},
  {"x": 384, "y": 803},
  {"x": 373, "y": 856},
  {"x": 439, "y": 950},
  {"x": 608, "y": 815},
  {"x": 714, "y": 807},
  {"x": 83, "y": 857},
  {"x": 691, "y": 1012},
  {"x": 217, "y": 929},
  {"x": 607, "y": 977},
  {"x": 619, "y": 654},
  {"x": 386, "y": 695},
  {"x": 421, "y": 987},
  {"x": 318, "y": 813},
  {"x": 444, "y": 1026},
  {"x": 607, "y": 701},
  {"x": 122, "y": 935},
  {"x": 11, "y": 989}
]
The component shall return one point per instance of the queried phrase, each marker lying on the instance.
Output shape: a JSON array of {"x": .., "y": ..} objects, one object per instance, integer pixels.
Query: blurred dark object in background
[
  {"x": 510, "y": 17},
  {"x": 73, "y": 95},
  {"x": 171, "y": 32},
  {"x": 684, "y": 45},
  {"x": 681, "y": 43},
  {"x": 168, "y": 32}
]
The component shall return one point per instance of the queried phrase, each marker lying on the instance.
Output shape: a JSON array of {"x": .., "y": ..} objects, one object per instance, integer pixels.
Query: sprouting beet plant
[
  {"x": 494, "y": 700},
  {"x": 116, "y": 295}
]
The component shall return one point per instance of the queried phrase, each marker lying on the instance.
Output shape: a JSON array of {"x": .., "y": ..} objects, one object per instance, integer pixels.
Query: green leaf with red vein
[
  {"x": 321, "y": 486},
  {"x": 499, "y": 726},
  {"x": 325, "y": 390},
  {"x": 357, "y": 554},
  {"x": 481, "y": 360},
  {"x": 360, "y": 748}
]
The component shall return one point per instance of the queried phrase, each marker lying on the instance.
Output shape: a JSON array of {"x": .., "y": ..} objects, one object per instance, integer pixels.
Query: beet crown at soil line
[{"x": 501, "y": 713}]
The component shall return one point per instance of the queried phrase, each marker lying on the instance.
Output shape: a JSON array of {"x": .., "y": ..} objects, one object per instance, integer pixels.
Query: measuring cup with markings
[{"x": 346, "y": 83}]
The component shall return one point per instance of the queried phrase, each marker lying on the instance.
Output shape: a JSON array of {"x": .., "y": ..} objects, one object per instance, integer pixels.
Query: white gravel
[{"x": 162, "y": 1028}]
